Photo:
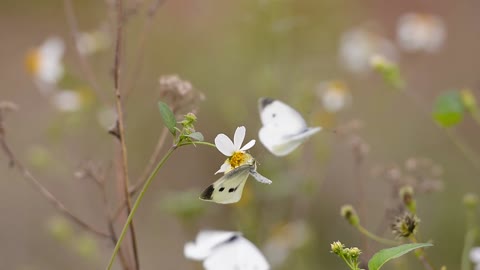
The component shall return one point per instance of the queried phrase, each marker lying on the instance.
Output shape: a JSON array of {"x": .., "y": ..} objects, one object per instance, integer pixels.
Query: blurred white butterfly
[
  {"x": 284, "y": 129},
  {"x": 229, "y": 188},
  {"x": 224, "y": 250}
]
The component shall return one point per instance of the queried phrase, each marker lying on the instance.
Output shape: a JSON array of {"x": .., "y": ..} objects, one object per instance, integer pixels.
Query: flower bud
[{"x": 349, "y": 213}]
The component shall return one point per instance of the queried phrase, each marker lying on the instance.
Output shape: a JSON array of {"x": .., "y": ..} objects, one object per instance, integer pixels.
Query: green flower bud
[
  {"x": 337, "y": 247},
  {"x": 348, "y": 212},
  {"x": 468, "y": 99}
]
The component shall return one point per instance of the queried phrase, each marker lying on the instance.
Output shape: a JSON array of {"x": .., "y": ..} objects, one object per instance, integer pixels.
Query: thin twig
[
  {"x": 120, "y": 123},
  {"x": 15, "y": 163},
  {"x": 100, "y": 181},
  {"x": 147, "y": 26},
  {"x": 84, "y": 62}
]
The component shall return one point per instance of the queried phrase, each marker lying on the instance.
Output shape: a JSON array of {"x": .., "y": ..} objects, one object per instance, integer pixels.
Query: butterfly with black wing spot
[
  {"x": 224, "y": 250},
  {"x": 284, "y": 129},
  {"x": 229, "y": 188}
]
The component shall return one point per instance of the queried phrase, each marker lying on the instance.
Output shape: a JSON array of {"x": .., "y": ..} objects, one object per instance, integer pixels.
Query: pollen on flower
[
  {"x": 32, "y": 61},
  {"x": 239, "y": 158}
]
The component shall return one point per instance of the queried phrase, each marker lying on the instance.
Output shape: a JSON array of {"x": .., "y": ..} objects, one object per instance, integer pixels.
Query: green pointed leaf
[
  {"x": 448, "y": 109},
  {"x": 168, "y": 117},
  {"x": 385, "y": 255},
  {"x": 197, "y": 136}
]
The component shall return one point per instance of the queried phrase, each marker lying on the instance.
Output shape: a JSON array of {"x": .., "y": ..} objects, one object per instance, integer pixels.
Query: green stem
[
  {"x": 470, "y": 237},
  {"x": 375, "y": 237},
  {"x": 142, "y": 193},
  {"x": 137, "y": 203},
  {"x": 195, "y": 143}
]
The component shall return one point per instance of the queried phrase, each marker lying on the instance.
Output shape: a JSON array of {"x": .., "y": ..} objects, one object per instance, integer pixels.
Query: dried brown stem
[
  {"x": 147, "y": 27},
  {"x": 15, "y": 163},
  {"x": 83, "y": 61},
  {"x": 121, "y": 124}
]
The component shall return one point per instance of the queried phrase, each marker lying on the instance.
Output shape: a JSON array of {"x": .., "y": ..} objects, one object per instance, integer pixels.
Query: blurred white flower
[
  {"x": 286, "y": 239},
  {"x": 67, "y": 100},
  {"x": 421, "y": 32},
  {"x": 106, "y": 117},
  {"x": 233, "y": 150},
  {"x": 89, "y": 43},
  {"x": 334, "y": 96},
  {"x": 358, "y": 45},
  {"x": 44, "y": 63},
  {"x": 475, "y": 257},
  {"x": 224, "y": 250}
]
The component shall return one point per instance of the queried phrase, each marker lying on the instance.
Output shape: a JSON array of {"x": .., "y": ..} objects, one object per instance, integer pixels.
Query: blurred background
[{"x": 314, "y": 55}]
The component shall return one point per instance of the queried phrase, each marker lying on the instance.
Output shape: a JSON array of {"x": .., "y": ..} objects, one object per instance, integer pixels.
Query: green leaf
[
  {"x": 448, "y": 109},
  {"x": 197, "y": 136},
  {"x": 168, "y": 117},
  {"x": 385, "y": 255}
]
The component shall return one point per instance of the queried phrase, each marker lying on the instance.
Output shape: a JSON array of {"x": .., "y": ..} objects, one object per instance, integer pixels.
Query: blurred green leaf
[
  {"x": 197, "y": 136},
  {"x": 168, "y": 117},
  {"x": 385, "y": 255},
  {"x": 86, "y": 246},
  {"x": 184, "y": 205},
  {"x": 389, "y": 71},
  {"x": 448, "y": 109}
]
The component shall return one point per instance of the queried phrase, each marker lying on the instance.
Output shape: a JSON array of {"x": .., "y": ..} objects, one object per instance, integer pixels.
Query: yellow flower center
[
  {"x": 239, "y": 158},
  {"x": 32, "y": 61}
]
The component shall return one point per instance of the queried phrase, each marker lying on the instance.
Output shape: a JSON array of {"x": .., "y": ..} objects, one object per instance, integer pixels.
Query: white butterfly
[
  {"x": 224, "y": 250},
  {"x": 283, "y": 127},
  {"x": 229, "y": 188}
]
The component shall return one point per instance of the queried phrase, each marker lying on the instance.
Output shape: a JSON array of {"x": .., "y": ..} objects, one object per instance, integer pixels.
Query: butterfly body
[{"x": 284, "y": 129}]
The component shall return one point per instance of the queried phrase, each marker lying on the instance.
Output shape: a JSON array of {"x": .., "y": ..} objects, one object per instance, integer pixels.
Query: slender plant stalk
[
  {"x": 421, "y": 255},
  {"x": 120, "y": 123},
  {"x": 374, "y": 237},
  {"x": 27, "y": 175},
  {"x": 85, "y": 65},
  {"x": 137, "y": 203},
  {"x": 470, "y": 238}
]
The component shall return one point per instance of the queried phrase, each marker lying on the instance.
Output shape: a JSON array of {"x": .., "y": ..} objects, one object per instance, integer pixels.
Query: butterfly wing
[
  {"x": 283, "y": 129},
  {"x": 205, "y": 242},
  {"x": 229, "y": 188},
  {"x": 281, "y": 117},
  {"x": 236, "y": 254}
]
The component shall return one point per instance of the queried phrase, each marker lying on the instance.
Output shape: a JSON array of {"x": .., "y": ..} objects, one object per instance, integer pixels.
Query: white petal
[
  {"x": 224, "y": 168},
  {"x": 224, "y": 145},
  {"x": 249, "y": 145},
  {"x": 239, "y": 137},
  {"x": 475, "y": 255}
]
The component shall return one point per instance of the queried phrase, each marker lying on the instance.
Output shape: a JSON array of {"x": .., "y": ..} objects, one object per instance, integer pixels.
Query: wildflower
[
  {"x": 225, "y": 250},
  {"x": 45, "y": 62},
  {"x": 67, "y": 100},
  {"x": 334, "y": 96},
  {"x": 357, "y": 46},
  {"x": 349, "y": 213},
  {"x": 337, "y": 247},
  {"x": 421, "y": 32},
  {"x": 233, "y": 150},
  {"x": 405, "y": 225},
  {"x": 475, "y": 257}
]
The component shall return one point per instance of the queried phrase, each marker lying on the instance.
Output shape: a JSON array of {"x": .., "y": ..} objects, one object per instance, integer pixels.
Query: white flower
[
  {"x": 357, "y": 47},
  {"x": 333, "y": 95},
  {"x": 224, "y": 250},
  {"x": 45, "y": 62},
  {"x": 233, "y": 150},
  {"x": 421, "y": 32},
  {"x": 475, "y": 257},
  {"x": 67, "y": 100}
]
